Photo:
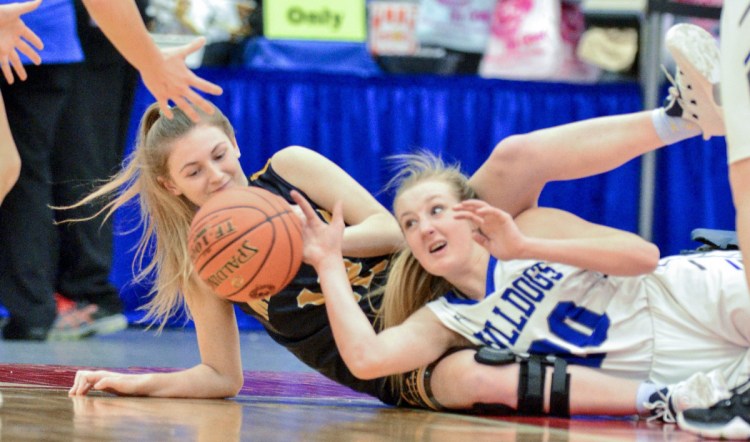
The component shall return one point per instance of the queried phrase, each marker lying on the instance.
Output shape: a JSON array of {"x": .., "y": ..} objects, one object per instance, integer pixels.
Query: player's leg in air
[
  {"x": 730, "y": 419},
  {"x": 520, "y": 165}
]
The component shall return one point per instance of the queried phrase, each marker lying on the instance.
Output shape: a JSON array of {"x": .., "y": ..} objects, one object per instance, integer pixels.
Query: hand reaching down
[
  {"x": 170, "y": 79},
  {"x": 16, "y": 37}
]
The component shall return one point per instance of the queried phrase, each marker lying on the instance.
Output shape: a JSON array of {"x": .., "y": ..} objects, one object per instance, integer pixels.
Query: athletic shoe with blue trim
[
  {"x": 699, "y": 390},
  {"x": 695, "y": 91}
]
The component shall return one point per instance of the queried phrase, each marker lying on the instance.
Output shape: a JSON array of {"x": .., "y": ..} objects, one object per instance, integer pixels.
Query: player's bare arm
[
  {"x": 371, "y": 230},
  {"x": 558, "y": 236}
]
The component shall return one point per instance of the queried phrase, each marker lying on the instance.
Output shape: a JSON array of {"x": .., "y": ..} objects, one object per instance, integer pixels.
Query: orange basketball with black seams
[{"x": 246, "y": 243}]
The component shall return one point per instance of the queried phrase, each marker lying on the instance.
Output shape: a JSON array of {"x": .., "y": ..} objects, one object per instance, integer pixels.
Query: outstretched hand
[
  {"x": 103, "y": 380},
  {"x": 170, "y": 79},
  {"x": 320, "y": 240},
  {"x": 15, "y": 36},
  {"x": 496, "y": 230}
]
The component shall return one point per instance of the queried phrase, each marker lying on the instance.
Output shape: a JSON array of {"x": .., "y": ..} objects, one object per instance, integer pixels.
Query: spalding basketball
[{"x": 246, "y": 243}]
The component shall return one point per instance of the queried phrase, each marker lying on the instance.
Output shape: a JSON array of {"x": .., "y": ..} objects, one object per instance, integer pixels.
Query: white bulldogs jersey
[{"x": 623, "y": 325}]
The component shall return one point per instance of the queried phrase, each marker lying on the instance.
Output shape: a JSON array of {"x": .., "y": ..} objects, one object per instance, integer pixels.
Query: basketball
[{"x": 246, "y": 243}]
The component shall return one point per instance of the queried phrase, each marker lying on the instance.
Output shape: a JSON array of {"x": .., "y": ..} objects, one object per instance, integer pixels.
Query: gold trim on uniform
[
  {"x": 416, "y": 389},
  {"x": 260, "y": 306},
  {"x": 356, "y": 279},
  {"x": 255, "y": 176}
]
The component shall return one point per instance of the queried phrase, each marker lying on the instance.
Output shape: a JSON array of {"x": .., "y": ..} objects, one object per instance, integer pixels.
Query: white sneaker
[
  {"x": 698, "y": 391},
  {"x": 727, "y": 419},
  {"x": 735, "y": 76},
  {"x": 695, "y": 91}
]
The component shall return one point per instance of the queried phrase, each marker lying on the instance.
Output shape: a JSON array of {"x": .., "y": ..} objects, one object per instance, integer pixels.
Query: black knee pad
[
  {"x": 531, "y": 382},
  {"x": 531, "y": 386}
]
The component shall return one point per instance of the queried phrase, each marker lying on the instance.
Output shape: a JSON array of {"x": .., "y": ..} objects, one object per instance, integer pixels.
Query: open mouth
[{"x": 437, "y": 246}]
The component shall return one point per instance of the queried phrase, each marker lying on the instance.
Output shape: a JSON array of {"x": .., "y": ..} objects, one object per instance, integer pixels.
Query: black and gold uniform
[{"x": 296, "y": 317}]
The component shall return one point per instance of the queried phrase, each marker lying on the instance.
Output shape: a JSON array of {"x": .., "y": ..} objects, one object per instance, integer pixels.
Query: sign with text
[{"x": 337, "y": 20}]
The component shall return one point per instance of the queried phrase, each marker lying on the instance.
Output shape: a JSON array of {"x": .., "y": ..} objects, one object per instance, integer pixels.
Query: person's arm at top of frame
[
  {"x": 420, "y": 340},
  {"x": 371, "y": 229},
  {"x": 219, "y": 375},
  {"x": 164, "y": 72},
  {"x": 559, "y": 236},
  {"x": 16, "y": 37}
]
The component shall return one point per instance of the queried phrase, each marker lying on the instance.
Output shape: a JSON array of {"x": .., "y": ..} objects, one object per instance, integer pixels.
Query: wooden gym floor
[{"x": 282, "y": 400}]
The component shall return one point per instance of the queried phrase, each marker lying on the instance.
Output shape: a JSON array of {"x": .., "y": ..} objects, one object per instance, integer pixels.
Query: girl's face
[
  {"x": 441, "y": 243},
  {"x": 202, "y": 162}
]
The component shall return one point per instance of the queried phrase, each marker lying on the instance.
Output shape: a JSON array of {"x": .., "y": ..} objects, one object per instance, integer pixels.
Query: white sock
[
  {"x": 673, "y": 129},
  {"x": 645, "y": 391}
]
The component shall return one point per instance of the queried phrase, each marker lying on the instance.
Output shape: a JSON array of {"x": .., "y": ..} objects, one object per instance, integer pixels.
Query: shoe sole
[
  {"x": 109, "y": 325},
  {"x": 697, "y": 55},
  {"x": 736, "y": 429}
]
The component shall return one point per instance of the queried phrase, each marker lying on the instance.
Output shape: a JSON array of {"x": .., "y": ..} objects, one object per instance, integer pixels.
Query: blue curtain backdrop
[
  {"x": 692, "y": 190},
  {"x": 356, "y": 121}
]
